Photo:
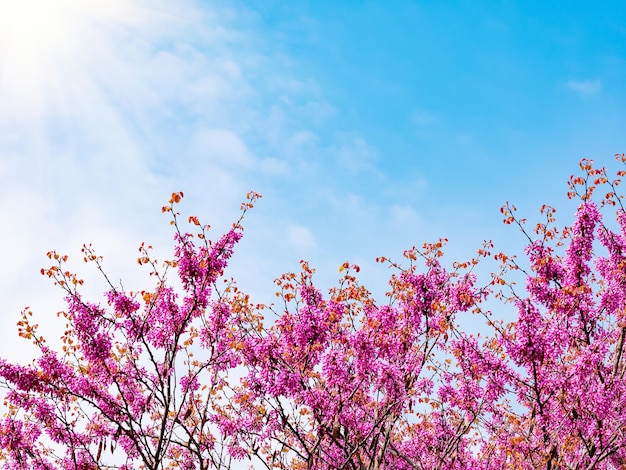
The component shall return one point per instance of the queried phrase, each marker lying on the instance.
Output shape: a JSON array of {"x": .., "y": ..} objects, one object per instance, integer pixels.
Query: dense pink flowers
[{"x": 198, "y": 376}]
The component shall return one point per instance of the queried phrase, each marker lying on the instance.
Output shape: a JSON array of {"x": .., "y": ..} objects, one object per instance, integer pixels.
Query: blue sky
[{"x": 368, "y": 127}]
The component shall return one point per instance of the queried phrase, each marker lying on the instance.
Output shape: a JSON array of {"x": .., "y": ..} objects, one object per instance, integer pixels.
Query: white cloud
[
  {"x": 299, "y": 142},
  {"x": 301, "y": 238},
  {"x": 585, "y": 87},
  {"x": 274, "y": 166},
  {"x": 221, "y": 145},
  {"x": 425, "y": 123},
  {"x": 404, "y": 216},
  {"x": 355, "y": 154},
  {"x": 318, "y": 110},
  {"x": 422, "y": 117}
]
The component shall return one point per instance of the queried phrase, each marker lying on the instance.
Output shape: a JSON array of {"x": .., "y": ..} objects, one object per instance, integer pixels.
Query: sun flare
[
  {"x": 27, "y": 26},
  {"x": 46, "y": 46},
  {"x": 36, "y": 37}
]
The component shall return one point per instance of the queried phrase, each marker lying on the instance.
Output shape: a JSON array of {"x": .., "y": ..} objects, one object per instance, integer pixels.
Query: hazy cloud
[
  {"x": 585, "y": 87},
  {"x": 404, "y": 216},
  {"x": 421, "y": 117},
  {"x": 424, "y": 123},
  {"x": 355, "y": 154},
  {"x": 221, "y": 145},
  {"x": 301, "y": 238}
]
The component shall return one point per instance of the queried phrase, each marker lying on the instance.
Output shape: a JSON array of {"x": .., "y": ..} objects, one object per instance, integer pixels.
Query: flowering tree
[
  {"x": 346, "y": 382},
  {"x": 567, "y": 344},
  {"x": 138, "y": 380},
  {"x": 198, "y": 377}
]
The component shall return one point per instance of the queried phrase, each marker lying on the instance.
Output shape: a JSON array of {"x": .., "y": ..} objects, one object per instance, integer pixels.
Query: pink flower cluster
[{"x": 196, "y": 377}]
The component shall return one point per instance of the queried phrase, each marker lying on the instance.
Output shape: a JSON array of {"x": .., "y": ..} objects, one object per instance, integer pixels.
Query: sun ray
[
  {"x": 48, "y": 48},
  {"x": 35, "y": 37}
]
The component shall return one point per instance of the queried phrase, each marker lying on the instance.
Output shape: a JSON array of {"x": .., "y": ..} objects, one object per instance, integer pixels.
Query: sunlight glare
[
  {"x": 33, "y": 35},
  {"x": 45, "y": 43}
]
